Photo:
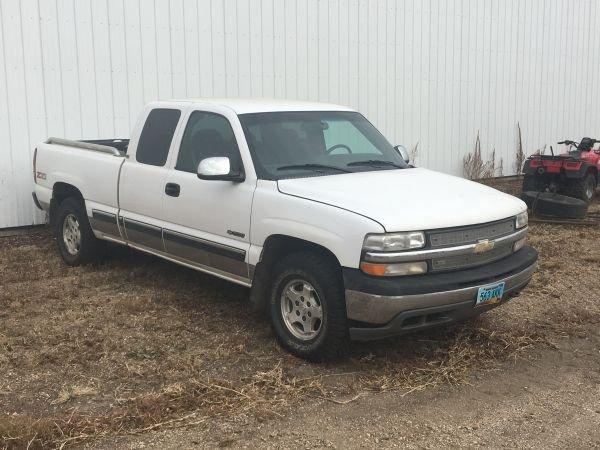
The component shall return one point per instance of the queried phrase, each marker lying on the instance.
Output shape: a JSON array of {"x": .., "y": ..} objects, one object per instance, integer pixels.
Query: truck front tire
[
  {"x": 308, "y": 307},
  {"x": 74, "y": 237}
]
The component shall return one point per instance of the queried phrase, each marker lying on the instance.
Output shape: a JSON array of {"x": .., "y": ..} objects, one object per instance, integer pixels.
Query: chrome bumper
[{"x": 379, "y": 309}]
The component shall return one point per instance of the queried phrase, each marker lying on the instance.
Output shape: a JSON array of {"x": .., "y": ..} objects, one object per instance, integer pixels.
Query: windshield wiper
[
  {"x": 313, "y": 167},
  {"x": 375, "y": 162}
]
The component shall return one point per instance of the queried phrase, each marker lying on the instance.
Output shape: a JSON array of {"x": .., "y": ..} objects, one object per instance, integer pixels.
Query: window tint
[
  {"x": 207, "y": 135},
  {"x": 156, "y": 136},
  {"x": 341, "y": 136}
]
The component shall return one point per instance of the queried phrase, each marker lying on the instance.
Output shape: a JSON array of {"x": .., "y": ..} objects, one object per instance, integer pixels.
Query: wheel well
[
  {"x": 279, "y": 246},
  {"x": 276, "y": 247},
  {"x": 60, "y": 192}
]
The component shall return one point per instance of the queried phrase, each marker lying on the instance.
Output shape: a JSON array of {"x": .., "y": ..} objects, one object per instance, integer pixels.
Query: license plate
[{"x": 489, "y": 295}]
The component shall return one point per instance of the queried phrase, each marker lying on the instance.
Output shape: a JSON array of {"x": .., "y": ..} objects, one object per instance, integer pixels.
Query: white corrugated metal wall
[{"x": 429, "y": 71}]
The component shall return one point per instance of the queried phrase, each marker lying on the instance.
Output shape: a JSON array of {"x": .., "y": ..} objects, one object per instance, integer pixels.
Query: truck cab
[{"x": 307, "y": 204}]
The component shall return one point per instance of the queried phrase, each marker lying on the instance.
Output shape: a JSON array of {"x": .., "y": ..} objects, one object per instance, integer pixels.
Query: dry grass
[
  {"x": 476, "y": 168},
  {"x": 187, "y": 403},
  {"x": 445, "y": 357},
  {"x": 134, "y": 344},
  {"x": 520, "y": 155},
  {"x": 414, "y": 154}
]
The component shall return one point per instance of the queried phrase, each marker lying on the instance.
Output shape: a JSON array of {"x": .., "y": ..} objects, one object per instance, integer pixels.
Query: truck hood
[{"x": 408, "y": 199}]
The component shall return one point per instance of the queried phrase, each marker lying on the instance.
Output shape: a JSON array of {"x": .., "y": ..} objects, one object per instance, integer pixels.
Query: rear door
[
  {"x": 141, "y": 184},
  {"x": 207, "y": 222}
]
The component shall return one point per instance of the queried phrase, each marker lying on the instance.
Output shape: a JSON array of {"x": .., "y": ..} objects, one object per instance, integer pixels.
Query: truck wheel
[
  {"x": 76, "y": 241},
  {"x": 308, "y": 307},
  {"x": 584, "y": 188}
]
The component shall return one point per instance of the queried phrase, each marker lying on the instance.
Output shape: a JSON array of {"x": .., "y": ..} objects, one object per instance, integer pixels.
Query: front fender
[{"x": 340, "y": 231}]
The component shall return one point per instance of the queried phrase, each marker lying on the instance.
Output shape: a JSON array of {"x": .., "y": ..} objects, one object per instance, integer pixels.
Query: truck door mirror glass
[
  {"x": 218, "y": 168},
  {"x": 214, "y": 167},
  {"x": 401, "y": 149}
]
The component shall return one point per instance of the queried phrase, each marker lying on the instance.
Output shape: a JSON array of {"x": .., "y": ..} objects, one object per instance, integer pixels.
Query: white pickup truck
[{"x": 308, "y": 204}]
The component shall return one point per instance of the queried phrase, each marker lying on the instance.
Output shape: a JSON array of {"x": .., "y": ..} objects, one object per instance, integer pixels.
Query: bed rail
[{"x": 85, "y": 145}]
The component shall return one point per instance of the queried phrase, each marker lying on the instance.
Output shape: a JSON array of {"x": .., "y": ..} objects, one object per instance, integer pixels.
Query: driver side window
[
  {"x": 345, "y": 135},
  {"x": 207, "y": 135}
]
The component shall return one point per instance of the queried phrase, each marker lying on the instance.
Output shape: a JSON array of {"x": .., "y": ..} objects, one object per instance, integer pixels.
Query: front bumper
[{"x": 379, "y": 307}]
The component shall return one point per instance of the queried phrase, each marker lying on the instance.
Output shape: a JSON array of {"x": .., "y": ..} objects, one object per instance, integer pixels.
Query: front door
[{"x": 207, "y": 222}]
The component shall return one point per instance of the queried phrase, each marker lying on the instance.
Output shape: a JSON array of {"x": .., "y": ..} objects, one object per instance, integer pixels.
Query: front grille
[
  {"x": 471, "y": 234},
  {"x": 457, "y": 248},
  {"x": 472, "y": 260}
]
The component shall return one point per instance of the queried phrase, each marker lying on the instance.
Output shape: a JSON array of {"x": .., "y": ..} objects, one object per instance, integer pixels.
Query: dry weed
[{"x": 475, "y": 168}]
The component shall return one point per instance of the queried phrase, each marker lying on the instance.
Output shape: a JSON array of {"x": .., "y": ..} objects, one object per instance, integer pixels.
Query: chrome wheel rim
[
  {"x": 71, "y": 234},
  {"x": 301, "y": 309}
]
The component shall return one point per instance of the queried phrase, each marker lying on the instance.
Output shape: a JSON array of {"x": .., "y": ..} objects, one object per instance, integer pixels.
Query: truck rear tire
[
  {"x": 308, "y": 307},
  {"x": 584, "y": 188},
  {"x": 74, "y": 237}
]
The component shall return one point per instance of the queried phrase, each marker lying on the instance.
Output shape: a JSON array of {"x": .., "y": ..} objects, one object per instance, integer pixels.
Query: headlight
[
  {"x": 394, "y": 269},
  {"x": 390, "y": 242},
  {"x": 522, "y": 219}
]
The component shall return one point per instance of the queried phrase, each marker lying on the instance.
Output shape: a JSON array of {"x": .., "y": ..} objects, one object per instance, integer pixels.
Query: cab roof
[{"x": 258, "y": 105}]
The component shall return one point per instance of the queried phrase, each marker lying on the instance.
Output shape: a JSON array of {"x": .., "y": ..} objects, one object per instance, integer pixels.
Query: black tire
[
  {"x": 583, "y": 188},
  {"x": 89, "y": 245},
  {"x": 332, "y": 338},
  {"x": 555, "y": 205},
  {"x": 531, "y": 183}
]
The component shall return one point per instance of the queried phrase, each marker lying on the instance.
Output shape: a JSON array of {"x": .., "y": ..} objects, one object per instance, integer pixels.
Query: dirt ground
[
  {"x": 135, "y": 352},
  {"x": 550, "y": 399}
]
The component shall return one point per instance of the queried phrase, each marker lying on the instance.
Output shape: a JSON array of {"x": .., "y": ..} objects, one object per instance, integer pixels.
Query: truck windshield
[{"x": 309, "y": 143}]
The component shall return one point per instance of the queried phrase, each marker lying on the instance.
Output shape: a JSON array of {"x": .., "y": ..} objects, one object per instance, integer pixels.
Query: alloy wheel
[{"x": 301, "y": 309}]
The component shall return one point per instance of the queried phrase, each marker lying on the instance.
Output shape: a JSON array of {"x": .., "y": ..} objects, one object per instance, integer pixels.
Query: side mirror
[
  {"x": 218, "y": 168},
  {"x": 401, "y": 149}
]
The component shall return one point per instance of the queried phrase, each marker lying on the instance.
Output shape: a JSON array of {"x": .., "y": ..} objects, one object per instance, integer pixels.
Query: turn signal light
[
  {"x": 519, "y": 244},
  {"x": 394, "y": 270}
]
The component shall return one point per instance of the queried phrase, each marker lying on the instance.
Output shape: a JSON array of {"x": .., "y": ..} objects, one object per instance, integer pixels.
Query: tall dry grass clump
[
  {"x": 520, "y": 155},
  {"x": 476, "y": 168}
]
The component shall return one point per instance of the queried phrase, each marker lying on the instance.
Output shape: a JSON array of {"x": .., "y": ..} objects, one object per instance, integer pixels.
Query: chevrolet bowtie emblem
[{"x": 483, "y": 246}]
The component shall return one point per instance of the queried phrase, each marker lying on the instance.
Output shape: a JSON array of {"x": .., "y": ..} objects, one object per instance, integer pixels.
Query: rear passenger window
[
  {"x": 156, "y": 137},
  {"x": 207, "y": 135}
]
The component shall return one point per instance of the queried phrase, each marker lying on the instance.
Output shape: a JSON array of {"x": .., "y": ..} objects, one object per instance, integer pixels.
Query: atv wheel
[
  {"x": 555, "y": 205},
  {"x": 584, "y": 188},
  {"x": 531, "y": 183}
]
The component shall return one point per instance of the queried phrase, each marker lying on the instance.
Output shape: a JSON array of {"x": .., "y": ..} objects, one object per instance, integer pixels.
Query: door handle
[{"x": 172, "y": 189}]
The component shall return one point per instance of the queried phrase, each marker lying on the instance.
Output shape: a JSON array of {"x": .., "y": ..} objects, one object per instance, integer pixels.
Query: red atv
[{"x": 574, "y": 173}]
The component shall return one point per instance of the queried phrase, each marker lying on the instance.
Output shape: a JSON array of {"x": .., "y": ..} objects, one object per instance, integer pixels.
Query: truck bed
[{"x": 92, "y": 166}]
